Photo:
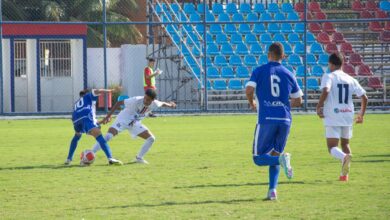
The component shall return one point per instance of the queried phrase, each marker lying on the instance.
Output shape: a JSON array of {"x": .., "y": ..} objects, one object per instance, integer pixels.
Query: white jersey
[
  {"x": 338, "y": 106},
  {"x": 135, "y": 110}
]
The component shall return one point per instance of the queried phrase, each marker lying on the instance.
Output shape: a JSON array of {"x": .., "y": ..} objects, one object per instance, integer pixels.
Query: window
[
  {"x": 20, "y": 58},
  {"x": 55, "y": 58}
]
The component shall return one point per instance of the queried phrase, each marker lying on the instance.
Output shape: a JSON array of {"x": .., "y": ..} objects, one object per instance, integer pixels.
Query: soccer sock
[
  {"x": 73, "y": 146},
  {"x": 266, "y": 160},
  {"x": 337, "y": 153},
  {"x": 104, "y": 146},
  {"x": 273, "y": 176},
  {"x": 147, "y": 145},
  {"x": 108, "y": 137}
]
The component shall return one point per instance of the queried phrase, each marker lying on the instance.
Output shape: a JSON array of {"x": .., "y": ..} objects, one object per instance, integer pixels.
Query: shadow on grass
[
  {"x": 377, "y": 155},
  {"x": 39, "y": 167},
  {"x": 235, "y": 185},
  {"x": 370, "y": 161}
]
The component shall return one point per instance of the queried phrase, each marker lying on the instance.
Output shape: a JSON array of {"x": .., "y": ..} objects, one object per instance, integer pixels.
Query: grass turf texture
[{"x": 201, "y": 168}]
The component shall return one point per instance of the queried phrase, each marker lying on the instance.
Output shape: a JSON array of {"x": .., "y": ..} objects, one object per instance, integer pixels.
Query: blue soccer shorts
[
  {"x": 270, "y": 137},
  {"x": 84, "y": 125}
]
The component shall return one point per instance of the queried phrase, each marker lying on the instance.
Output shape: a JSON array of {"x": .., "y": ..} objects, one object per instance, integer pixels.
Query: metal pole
[
  {"x": 205, "y": 57},
  {"x": 304, "y": 57},
  {"x": 105, "y": 54},
  {"x": 1, "y": 62}
]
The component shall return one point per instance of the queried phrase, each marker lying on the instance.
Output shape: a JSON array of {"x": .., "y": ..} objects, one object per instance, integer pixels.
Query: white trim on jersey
[
  {"x": 298, "y": 94},
  {"x": 256, "y": 139},
  {"x": 251, "y": 84},
  {"x": 93, "y": 92},
  {"x": 279, "y": 119}
]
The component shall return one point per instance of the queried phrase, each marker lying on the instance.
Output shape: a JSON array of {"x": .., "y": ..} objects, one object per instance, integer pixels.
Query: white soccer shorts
[
  {"x": 338, "y": 132},
  {"x": 134, "y": 129}
]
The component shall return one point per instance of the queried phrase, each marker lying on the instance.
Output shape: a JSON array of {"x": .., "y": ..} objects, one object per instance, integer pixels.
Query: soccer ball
[{"x": 87, "y": 157}]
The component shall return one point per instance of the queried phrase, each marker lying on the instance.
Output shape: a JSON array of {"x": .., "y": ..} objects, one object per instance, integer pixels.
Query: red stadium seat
[
  {"x": 323, "y": 38},
  {"x": 385, "y": 36},
  {"x": 355, "y": 59},
  {"x": 346, "y": 48},
  {"x": 299, "y": 7},
  {"x": 387, "y": 26},
  {"x": 375, "y": 83},
  {"x": 338, "y": 37},
  {"x": 331, "y": 48},
  {"x": 349, "y": 69},
  {"x": 328, "y": 27},
  {"x": 364, "y": 70},
  {"x": 320, "y": 16},
  {"x": 315, "y": 28},
  {"x": 302, "y": 16},
  {"x": 314, "y": 6},
  {"x": 375, "y": 26},
  {"x": 371, "y": 6},
  {"x": 357, "y": 6},
  {"x": 381, "y": 14},
  {"x": 366, "y": 14}
]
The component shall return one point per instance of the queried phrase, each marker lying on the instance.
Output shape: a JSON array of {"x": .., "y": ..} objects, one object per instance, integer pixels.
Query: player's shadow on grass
[
  {"x": 370, "y": 161},
  {"x": 377, "y": 155},
  {"x": 235, "y": 185},
  {"x": 38, "y": 167}
]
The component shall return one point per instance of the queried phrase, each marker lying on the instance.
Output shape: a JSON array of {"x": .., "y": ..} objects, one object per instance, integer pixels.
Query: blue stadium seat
[
  {"x": 210, "y": 16},
  {"x": 245, "y": 8},
  {"x": 290, "y": 68},
  {"x": 294, "y": 60},
  {"x": 273, "y": 8},
  {"x": 189, "y": 8},
  {"x": 208, "y": 85},
  {"x": 256, "y": 49},
  {"x": 293, "y": 38},
  {"x": 209, "y": 38},
  {"x": 227, "y": 49},
  {"x": 279, "y": 37},
  {"x": 160, "y": 9},
  {"x": 184, "y": 49},
  {"x": 235, "y": 60},
  {"x": 312, "y": 84},
  {"x": 311, "y": 59},
  {"x": 196, "y": 51},
  {"x": 252, "y": 17},
  {"x": 167, "y": 17},
  {"x": 200, "y": 8},
  {"x": 223, "y": 17},
  {"x": 220, "y": 85},
  {"x": 194, "y": 17},
  {"x": 250, "y": 60},
  {"x": 230, "y": 29},
  {"x": 316, "y": 49},
  {"x": 299, "y": 48},
  {"x": 220, "y": 61},
  {"x": 266, "y": 38},
  {"x": 323, "y": 59},
  {"x": 236, "y": 38},
  {"x": 213, "y": 73},
  {"x": 192, "y": 39},
  {"x": 190, "y": 61},
  {"x": 287, "y": 8},
  {"x": 265, "y": 16},
  {"x": 300, "y": 71},
  {"x": 221, "y": 39},
  {"x": 196, "y": 71},
  {"x": 259, "y": 28},
  {"x": 279, "y": 17},
  {"x": 286, "y": 28},
  {"x": 171, "y": 29},
  {"x": 384, "y": 5},
  {"x": 292, "y": 16},
  {"x": 251, "y": 39},
  {"x": 263, "y": 59},
  {"x": 284, "y": 62},
  {"x": 317, "y": 70},
  {"x": 242, "y": 72},
  {"x": 287, "y": 48},
  {"x": 175, "y": 8},
  {"x": 242, "y": 49},
  {"x": 200, "y": 28},
  {"x": 259, "y": 8},
  {"x": 273, "y": 28},
  {"x": 238, "y": 17},
  {"x": 310, "y": 38},
  {"x": 212, "y": 49},
  {"x": 299, "y": 28},
  {"x": 208, "y": 61},
  {"x": 183, "y": 17},
  {"x": 217, "y": 8},
  {"x": 244, "y": 29},
  {"x": 300, "y": 83},
  {"x": 215, "y": 29},
  {"x": 227, "y": 72},
  {"x": 231, "y": 8},
  {"x": 235, "y": 84}
]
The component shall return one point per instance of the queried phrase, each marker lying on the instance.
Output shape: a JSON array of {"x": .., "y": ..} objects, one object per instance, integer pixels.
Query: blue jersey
[
  {"x": 274, "y": 86},
  {"x": 85, "y": 107}
]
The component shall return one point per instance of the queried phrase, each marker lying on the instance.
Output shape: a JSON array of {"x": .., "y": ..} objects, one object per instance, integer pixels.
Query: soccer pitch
[{"x": 200, "y": 168}]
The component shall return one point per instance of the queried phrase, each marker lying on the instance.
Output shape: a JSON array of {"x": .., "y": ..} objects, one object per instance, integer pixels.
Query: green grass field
[{"x": 200, "y": 168}]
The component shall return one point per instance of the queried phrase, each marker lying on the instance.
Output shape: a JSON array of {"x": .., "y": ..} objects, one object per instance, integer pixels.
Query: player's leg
[
  {"x": 346, "y": 134},
  {"x": 149, "y": 140},
  {"x": 109, "y": 135},
  {"x": 273, "y": 178},
  {"x": 72, "y": 148},
  {"x": 263, "y": 145},
  {"x": 333, "y": 134},
  {"x": 280, "y": 143},
  {"x": 97, "y": 134}
]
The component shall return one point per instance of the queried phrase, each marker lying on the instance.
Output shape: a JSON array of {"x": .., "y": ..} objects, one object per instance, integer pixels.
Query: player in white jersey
[
  {"x": 337, "y": 110},
  {"x": 135, "y": 109}
]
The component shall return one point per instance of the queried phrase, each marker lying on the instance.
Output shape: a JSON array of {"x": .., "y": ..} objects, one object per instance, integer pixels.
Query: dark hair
[
  {"x": 83, "y": 92},
  {"x": 151, "y": 59},
  {"x": 277, "y": 50},
  {"x": 336, "y": 59},
  {"x": 151, "y": 93}
]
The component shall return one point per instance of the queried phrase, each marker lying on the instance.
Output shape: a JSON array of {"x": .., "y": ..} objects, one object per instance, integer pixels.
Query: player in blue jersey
[
  {"x": 273, "y": 85},
  {"x": 84, "y": 121}
]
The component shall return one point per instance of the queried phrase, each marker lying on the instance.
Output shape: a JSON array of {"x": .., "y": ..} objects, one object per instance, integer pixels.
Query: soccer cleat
[
  {"x": 272, "y": 195},
  {"x": 67, "y": 162},
  {"x": 344, "y": 178},
  {"x": 113, "y": 161},
  {"x": 284, "y": 160},
  {"x": 346, "y": 165},
  {"x": 140, "y": 160}
]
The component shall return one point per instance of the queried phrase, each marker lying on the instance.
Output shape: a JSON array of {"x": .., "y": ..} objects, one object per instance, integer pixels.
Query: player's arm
[
  {"x": 113, "y": 109},
  {"x": 168, "y": 104},
  {"x": 320, "y": 105},
  {"x": 97, "y": 92},
  {"x": 296, "y": 102},
  {"x": 149, "y": 75},
  {"x": 250, "y": 93},
  {"x": 363, "y": 107}
]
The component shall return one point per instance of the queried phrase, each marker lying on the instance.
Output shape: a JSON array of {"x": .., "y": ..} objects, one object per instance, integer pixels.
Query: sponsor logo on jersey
[
  {"x": 343, "y": 110},
  {"x": 273, "y": 104}
]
